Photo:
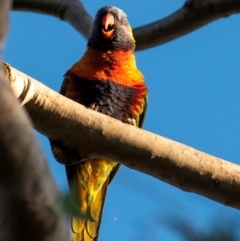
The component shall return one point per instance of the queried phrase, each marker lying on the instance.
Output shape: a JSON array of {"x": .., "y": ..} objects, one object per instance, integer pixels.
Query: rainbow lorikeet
[{"x": 105, "y": 79}]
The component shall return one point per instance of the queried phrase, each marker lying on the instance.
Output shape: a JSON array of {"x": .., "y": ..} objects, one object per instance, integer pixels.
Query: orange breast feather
[{"x": 118, "y": 66}]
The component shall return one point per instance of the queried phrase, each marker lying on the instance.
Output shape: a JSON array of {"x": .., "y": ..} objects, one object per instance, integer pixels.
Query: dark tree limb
[
  {"x": 193, "y": 15},
  {"x": 72, "y": 11},
  {"x": 29, "y": 208}
]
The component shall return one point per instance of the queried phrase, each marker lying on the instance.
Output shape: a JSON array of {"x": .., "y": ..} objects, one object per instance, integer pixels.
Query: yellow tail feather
[{"x": 87, "y": 228}]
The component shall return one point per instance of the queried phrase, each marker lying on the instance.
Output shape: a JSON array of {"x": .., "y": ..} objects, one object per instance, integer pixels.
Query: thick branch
[
  {"x": 29, "y": 207},
  {"x": 193, "y": 15},
  {"x": 89, "y": 134}
]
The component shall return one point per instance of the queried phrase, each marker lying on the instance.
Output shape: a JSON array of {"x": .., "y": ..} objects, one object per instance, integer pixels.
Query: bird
[{"x": 105, "y": 79}]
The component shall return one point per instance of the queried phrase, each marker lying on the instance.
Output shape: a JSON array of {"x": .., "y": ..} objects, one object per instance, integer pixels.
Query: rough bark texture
[
  {"x": 193, "y": 15},
  {"x": 83, "y": 131},
  {"x": 29, "y": 208}
]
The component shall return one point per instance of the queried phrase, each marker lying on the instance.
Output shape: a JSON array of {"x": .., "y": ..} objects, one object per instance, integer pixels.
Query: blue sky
[{"x": 194, "y": 84}]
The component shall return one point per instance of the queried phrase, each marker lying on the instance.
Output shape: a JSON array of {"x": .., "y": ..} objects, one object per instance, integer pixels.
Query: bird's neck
[{"x": 114, "y": 65}]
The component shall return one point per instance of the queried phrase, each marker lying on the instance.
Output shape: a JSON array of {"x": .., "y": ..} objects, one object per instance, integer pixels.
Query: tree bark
[
  {"x": 72, "y": 11},
  {"x": 29, "y": 207},
  {"x": 193, "y": 15},
  {"x": 88, "y": 134}
]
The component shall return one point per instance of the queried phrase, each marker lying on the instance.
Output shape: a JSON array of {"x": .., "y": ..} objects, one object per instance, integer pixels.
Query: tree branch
[
  {"x": 87, "y": 133},
  {"x": 193, "y": 15},
  {"x": 29, "y": 207},
  {"x": 72, "y": 11}
]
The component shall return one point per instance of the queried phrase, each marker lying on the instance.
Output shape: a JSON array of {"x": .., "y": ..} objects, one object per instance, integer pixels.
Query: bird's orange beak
[{"x": 107, "y": 25}]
